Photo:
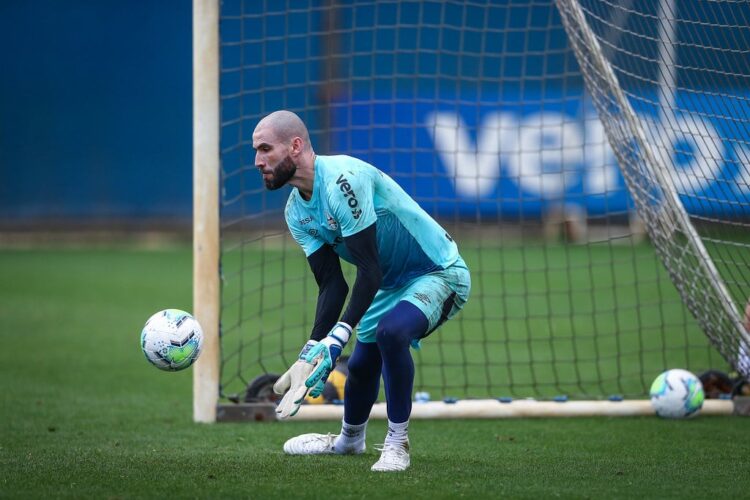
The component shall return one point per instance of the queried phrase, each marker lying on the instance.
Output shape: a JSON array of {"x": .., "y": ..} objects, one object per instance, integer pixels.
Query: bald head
[
  {"x": 283, "y": 153},
  {"x": 285, "y": 126}
]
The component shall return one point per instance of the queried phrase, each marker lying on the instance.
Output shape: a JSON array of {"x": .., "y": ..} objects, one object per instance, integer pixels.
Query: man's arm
[
  {"x": 332, "y": 290},
  {"x": 363, "y": 247},
  {"x": 332, "y": 287}
]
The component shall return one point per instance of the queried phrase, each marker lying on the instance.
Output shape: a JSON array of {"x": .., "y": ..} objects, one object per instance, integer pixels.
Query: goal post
[
  {"x": 206, "y": 251},
  {"x": 544, "y": 135}
]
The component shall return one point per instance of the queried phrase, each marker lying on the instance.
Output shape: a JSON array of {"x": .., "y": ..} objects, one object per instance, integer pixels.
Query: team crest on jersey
[{"x": 332, "y": 224}]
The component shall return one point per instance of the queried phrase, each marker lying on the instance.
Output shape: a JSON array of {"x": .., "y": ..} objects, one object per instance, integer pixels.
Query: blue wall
[
  {"x": 96, "y": 117},
  {"x": 95, "y": 109}
]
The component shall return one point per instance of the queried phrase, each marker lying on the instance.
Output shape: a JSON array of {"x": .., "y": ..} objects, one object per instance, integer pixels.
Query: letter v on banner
[{"x": 474, "y": 168}]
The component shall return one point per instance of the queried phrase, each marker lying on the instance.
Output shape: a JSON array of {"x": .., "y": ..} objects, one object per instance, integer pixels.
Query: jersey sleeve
[
  {"x": 306, "y": 238},
  {"x": 352, "y": 201}
]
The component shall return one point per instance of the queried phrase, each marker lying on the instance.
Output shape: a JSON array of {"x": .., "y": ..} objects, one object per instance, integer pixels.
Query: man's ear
[{"x": 297, "y": 146}]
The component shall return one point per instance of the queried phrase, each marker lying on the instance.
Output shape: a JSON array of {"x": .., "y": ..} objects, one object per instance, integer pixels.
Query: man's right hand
[{"x": 292, "y": 382}]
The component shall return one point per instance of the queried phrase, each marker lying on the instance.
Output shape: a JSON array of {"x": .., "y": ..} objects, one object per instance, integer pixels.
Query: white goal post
[{"x": 206, "y": 125}]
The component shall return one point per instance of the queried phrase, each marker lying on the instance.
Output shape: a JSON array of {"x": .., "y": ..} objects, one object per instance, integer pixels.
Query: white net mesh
[
  {"x": 672, "y": 94},
  {"x": 478, "y": 109}
]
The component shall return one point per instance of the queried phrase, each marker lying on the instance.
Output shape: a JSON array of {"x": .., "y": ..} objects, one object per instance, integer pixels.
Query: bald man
[{"x": 410, "y": 279}]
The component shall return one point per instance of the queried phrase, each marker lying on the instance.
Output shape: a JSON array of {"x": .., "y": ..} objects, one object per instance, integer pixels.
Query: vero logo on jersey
[{"x": 351, "y": 198}]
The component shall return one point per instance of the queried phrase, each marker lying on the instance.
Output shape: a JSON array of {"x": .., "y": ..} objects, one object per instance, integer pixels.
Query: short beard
[{"x": 282, "y": 172}]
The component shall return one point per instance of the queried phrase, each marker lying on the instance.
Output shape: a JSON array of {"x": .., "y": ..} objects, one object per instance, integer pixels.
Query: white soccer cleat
[
  {"x": 394, "y": 458},
  {"x": 316, "y": 444},
  {"x": 310, "y": 444}
]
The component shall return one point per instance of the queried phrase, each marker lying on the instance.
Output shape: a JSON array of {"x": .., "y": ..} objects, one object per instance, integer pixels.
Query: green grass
[{"x": 84, "y": 416}]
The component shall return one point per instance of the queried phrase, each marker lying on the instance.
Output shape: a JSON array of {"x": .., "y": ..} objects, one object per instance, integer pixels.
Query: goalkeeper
[{"x": 410, "y": 279}]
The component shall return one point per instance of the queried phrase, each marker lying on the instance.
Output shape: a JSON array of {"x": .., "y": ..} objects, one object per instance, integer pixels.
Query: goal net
[
  {"x": 678, "y": 119},
  {"x": 594, "y": 267}
]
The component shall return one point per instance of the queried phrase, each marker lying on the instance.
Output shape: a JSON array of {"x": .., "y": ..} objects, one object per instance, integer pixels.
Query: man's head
[{"x": 280, "y": 140}]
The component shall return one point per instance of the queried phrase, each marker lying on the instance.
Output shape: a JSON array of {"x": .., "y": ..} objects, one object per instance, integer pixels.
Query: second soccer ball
[{"x": 676, "y": 393}]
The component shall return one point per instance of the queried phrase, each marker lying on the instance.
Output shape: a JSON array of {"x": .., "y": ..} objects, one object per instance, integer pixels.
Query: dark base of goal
[{"x": 244, "y": 412}]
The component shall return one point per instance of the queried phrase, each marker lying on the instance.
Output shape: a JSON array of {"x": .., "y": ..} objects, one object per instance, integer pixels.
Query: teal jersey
[{"x": 348, "y": 196}]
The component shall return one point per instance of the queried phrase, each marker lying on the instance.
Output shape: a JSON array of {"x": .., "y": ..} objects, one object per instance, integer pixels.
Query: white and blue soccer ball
[
  {"x": 172, "y": 340},
  {"x": 676, "y": 393}
]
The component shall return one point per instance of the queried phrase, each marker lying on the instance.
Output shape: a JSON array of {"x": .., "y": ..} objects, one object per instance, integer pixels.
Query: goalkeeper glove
[
  {"x": 323, "y": 355},
  {"x": 292, "y": 382},
  {"x": 317, "y": 389}
]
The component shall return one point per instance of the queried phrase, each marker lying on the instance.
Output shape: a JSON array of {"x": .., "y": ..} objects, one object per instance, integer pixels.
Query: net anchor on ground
[{"x": 246, "y": 412}]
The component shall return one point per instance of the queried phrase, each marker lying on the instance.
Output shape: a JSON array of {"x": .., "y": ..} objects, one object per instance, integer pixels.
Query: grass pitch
[{"x": 84, "y": 416}]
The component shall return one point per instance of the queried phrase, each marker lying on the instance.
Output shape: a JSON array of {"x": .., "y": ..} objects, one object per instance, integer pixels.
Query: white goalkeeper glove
[
  {"x": 323, "y": 355},
  {"x": 292, "y": 382}
]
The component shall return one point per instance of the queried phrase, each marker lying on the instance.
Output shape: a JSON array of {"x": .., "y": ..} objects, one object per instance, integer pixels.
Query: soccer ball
[
  {"x": 171, "y": 340},
  {"x": 676, "y": 394}
]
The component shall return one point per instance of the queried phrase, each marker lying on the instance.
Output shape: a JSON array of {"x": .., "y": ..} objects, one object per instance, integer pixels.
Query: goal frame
[
  {"x": 207, "y": 279},
  {"x": 206, "y": 178}
]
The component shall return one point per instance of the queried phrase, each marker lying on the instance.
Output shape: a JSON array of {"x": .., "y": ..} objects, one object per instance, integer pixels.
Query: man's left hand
[{"x": 325, "y": 353}]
